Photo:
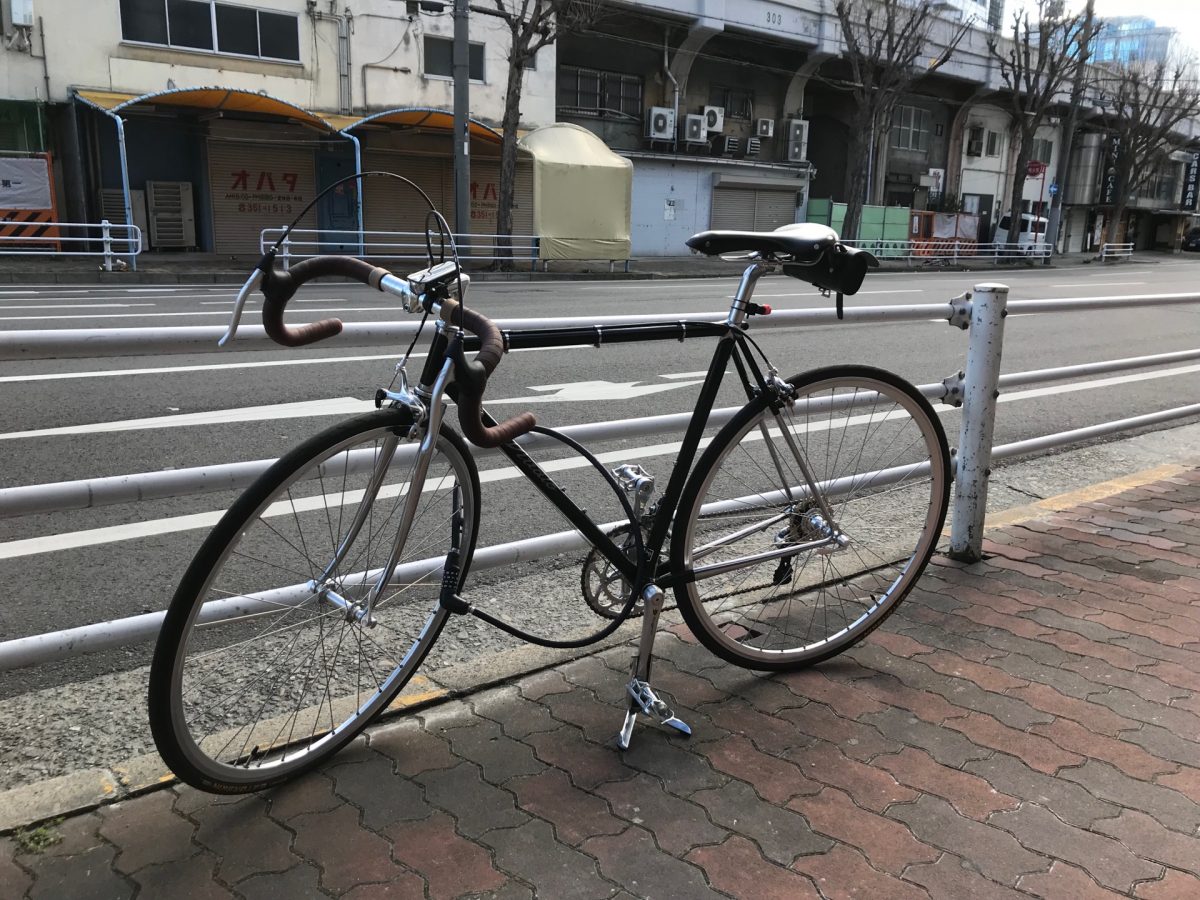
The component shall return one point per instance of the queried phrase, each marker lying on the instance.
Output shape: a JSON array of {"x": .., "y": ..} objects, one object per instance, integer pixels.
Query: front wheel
[
  {"x": 285, "y": 637},
  {"x": 777, "y": 575}
]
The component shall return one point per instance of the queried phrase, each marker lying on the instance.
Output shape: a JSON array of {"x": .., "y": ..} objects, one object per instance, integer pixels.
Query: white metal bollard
[
  {"x": 988, "y": 303},
  {"x": 106, "y": 237}
]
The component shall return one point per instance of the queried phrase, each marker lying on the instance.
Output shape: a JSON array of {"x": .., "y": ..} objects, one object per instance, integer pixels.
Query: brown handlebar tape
[
  {"x": 470, "y": 397},
  {"x": 280, "y": 287}
]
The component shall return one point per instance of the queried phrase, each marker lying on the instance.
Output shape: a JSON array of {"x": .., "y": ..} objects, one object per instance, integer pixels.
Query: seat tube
[{"x": 741, "y": 299}]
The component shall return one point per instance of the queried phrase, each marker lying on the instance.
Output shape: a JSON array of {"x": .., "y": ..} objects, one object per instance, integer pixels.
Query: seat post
[{"x": 741, "y": 299}]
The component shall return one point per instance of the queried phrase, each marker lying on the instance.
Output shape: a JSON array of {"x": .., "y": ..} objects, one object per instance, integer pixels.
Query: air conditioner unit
[
  {"x": 754, "y": 145},
  {"x": 728, "y": 145},
  {"x": 975, "y": 148},
  {"x": 172, "y": 215},
  {"x": 694, "y": 131},
  {"x": 764, "y": 128},
  {"x": 22, "y": 13},
  {"x": 660, "y": 123},
  {"x": 714, "y": 118},
  {"x": 797, "y": 140}
]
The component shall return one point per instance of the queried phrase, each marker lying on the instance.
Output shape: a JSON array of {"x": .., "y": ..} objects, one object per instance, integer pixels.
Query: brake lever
[{"x": 252, "y": 283}]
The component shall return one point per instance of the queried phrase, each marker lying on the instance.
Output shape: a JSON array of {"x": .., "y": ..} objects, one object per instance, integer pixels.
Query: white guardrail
[
  {"x": 104, "y": 238},
  {"x": 941, "y": 250},
  {"x": 1116, "y": 251},
  {"x": 382, "y": 245},
  {"x": 982, "y": 311}
]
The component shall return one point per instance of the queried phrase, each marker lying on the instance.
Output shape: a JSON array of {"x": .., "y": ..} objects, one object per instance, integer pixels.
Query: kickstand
[{"x": 641, "y": 696}]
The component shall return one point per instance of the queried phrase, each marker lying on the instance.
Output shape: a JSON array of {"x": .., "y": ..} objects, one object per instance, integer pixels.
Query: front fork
[{"x": 325, "y": 587}]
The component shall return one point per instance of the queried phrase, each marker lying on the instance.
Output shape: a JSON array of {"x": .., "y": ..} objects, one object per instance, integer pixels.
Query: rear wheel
[
  {"x": 774, "y": 581},
  {"x": 271, "y": 658}
]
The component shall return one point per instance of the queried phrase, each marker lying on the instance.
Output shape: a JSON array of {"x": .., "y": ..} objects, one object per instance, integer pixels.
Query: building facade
[
  {"x": 733, "y": 114},
  {"x": 115, "y": 97}
]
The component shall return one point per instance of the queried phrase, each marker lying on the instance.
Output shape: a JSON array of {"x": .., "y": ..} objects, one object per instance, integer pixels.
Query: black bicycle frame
[{"x": 731, "y": 346}]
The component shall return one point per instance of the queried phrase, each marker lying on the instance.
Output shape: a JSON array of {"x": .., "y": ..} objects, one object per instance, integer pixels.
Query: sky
[{"x": 1182, "y": 15}]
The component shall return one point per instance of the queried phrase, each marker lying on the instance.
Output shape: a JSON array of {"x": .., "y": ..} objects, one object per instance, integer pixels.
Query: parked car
[
  {"x": 1191, "y": 240},
  {"x": 1030, "y": 239}
]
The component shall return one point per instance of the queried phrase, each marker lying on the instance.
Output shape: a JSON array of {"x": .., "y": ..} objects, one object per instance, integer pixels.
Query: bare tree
[
  {"x": 1146, "y": 102},
  {"x": 1038, "y": 64},
  {"x": 885, "y": 43},
  {"x": 532, "y": 24}
]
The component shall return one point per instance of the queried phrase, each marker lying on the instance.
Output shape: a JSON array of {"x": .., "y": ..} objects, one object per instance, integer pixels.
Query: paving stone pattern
[{"x": 1025, "y": 726}]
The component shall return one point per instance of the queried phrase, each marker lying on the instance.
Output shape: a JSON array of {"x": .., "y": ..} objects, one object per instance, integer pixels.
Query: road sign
[
  {"x": 1053, "y": 189},
  {"x": 1035, "y": 168}
]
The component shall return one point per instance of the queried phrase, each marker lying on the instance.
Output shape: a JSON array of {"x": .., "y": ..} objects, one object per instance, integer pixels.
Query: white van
[{"x": 1030, "y": 240}]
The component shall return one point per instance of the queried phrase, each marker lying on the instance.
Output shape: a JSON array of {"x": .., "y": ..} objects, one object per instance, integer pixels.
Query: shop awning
[
  {"x": 213, "y": 98},
  {"x": 413, "y": 117}
]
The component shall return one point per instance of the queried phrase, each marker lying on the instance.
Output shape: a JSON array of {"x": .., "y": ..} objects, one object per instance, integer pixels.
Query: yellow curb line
[{"x": 1089, "y": 494}]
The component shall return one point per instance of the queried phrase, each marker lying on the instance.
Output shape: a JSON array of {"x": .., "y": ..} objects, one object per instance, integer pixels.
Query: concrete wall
[
  {"x": 672, "y": 198},
  {"x": 688, "y": 185}
]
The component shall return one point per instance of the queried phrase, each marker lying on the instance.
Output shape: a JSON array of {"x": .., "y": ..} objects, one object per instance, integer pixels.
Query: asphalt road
[{"x": 69, "y": 419}]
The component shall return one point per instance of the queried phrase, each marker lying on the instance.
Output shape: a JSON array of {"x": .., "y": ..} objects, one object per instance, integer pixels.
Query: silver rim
[
  {"x": 299, "y": 668},
  {"x": 775, "y": 583}
]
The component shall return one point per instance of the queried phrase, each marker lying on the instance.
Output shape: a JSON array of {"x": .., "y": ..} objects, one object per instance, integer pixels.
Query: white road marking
[
  {"x": 171, "y": 370},
  {"x": 114, "y": 533},
  {"x": 83, "y": 306},
  {"x": 1097, "y": 383},
  {"x": 23, "y": 292},
  {"x": 164, "y": 315},
  {"x": 1080, "y": 284},
  {"x": 332, "y": 406},
  {"x": 589, "y": 391},
  {"x": 263, "y": 364}
]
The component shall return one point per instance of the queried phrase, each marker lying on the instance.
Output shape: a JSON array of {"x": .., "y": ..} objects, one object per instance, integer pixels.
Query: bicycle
[{"x": 790, "y": 536}]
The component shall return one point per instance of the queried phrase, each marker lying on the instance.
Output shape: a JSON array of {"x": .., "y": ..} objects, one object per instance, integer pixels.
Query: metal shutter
[
  {"x": 485, "y": 173},
  {"x": 255, "y": 186},
  {"x": 774, "y": 208},
  {"x": 391, "y": 205},
  {"x": 732, "y": 209},
  {"x": 523, "y": 198}
]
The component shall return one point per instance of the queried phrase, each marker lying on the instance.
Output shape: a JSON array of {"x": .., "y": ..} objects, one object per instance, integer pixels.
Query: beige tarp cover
[{"x": 582, "y": 194}]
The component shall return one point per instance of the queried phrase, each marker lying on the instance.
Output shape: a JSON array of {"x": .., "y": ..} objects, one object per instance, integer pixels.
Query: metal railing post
[
  {"x": 287, "y": 252},
  {"x": 984, "y": 349},
  {"x": 106, "y": 237}
]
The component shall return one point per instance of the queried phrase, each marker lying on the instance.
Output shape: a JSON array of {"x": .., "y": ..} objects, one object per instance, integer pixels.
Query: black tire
[
  {"x": 220, "y": 689},
  {"x": 782, "y": 613}
]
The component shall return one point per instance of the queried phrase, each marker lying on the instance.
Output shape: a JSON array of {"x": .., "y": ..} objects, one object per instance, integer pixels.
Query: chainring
[{"x": 604, "y": 588}]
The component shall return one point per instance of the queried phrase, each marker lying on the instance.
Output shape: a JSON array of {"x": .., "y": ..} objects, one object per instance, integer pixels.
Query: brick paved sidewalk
[{"x": 1025, "y": 726}]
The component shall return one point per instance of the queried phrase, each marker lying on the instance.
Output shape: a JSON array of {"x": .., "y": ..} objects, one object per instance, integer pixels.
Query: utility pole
[
  {"x": 462, "y": 105},
  {"x": 1070, "y": 123}
]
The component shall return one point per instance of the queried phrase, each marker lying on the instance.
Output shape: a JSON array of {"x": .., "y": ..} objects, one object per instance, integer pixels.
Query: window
[
  {"x": 910, "y": 129},
  {"x": 206, "y": 25},
  {"x": 1043, "y": 150},
  {"x": 994, "y": 143},
  {"x": 738, "y": 103},
  {"x": 975, "y": 141},
  {"x": 593, "y": 93},
  {"x": 439, "y": 58}
]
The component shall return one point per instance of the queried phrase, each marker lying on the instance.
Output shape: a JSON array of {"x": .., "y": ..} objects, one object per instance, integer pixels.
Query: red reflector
[{"x": 766, "y": 310}]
